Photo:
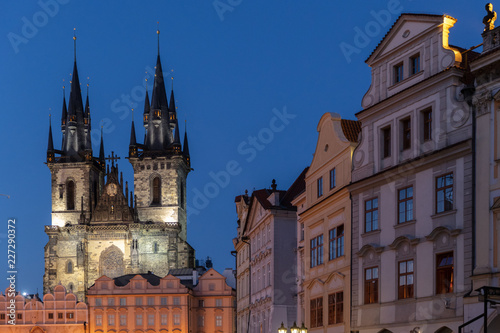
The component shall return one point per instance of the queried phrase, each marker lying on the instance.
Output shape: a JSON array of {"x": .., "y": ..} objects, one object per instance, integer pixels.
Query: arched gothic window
[
  {"x": 70, "y": 195},
  {"x": 156, "y": 191},
  {"x": 69, "y": 267}
]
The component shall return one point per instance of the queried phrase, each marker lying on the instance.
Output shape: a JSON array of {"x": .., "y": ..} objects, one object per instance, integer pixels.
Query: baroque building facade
[
  {"x": 324, "y": 229},
  {"x": 265, "y": 261},
  {"x": 411, "y": 184},
  {"x": 99, "y": 227}
]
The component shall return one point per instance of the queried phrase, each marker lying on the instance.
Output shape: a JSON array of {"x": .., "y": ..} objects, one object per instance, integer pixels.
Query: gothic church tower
[{"x": 97, "y": 227}]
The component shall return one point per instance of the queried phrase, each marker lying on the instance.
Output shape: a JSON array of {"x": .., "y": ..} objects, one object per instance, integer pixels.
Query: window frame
[
  {"x": 319, "y": 184},
  {"x": 405, "y": 201},
  {"x": 414, "y": 66},
  {"x": 316, "y": 308},
  {"x": 398, "y": 72},
  {"x": 316, "y": 254},
  {"x": 386, "y": 142},
  {"x": 371, "y": 295},
  {"x": 406, "y": 133},
  {"x": 333, "y": 308},
  {"x": 336, "y": 242},
  {"x": 371, "y": 210},
  {"x": 444, "y": 189},
  {"x": 406, "y": 290},
  {"x": 441, "y": 287},
  {"x": 426, "y": 125},
  {"x": 333, "y": 180}
]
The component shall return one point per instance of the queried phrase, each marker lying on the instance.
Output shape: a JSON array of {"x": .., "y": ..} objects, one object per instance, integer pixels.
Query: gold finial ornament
[{"x": 490, "y": 18}]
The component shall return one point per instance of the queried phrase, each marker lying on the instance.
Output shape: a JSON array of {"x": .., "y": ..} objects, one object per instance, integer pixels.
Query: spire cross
[
  {"x": 158, "y": 33},
  {"x": 113, "y": 157}
]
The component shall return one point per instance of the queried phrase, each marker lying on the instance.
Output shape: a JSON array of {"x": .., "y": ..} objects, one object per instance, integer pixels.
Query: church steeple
[
  {"x": 132, "y": 149},
  {"x": 185, "y": 152},
  {"x": 64, "y": 114},
  {"x": 102, "y": 160},
  {"x": 50, "y": 145}
]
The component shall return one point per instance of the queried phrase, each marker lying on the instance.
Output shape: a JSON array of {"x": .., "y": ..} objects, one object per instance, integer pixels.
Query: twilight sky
[{"x": 252, "y": 79}]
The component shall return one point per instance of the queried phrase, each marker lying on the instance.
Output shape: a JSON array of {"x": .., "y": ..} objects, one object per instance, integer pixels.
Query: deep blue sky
[{"x": 231, "y": 70}]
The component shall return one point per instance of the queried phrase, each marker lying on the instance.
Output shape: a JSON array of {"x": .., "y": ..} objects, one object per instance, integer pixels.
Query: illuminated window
[
  {"x": 371, "y": 285},
  {"x": 336, "y": 308},
  {"x": 405, "y": 274},
  {"x": 444, "y": 193},
  {"x": 111, "y": 320},
  {"x": 444, "y": 273},
  {"x": 316, "y": 312},
  {"x": 371, "y": 215},
  {"x": 218, "y": 321},
  {"x": 98, "y": 320},
  {"x": 177, "y": 319},
  {"x": 163, "y": 319},
  {"x": 405, "y": 204}
]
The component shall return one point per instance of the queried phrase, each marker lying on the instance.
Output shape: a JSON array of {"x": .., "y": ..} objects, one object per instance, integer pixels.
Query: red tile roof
[{"x": 351, "y": 129}]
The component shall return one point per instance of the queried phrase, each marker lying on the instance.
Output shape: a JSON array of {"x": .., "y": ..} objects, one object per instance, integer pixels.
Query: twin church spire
[{"x": 162, "y": 132}]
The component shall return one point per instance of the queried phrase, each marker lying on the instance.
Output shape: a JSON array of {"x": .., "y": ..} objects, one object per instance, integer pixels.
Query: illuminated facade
[
  {"x": 411, "y": 183},
  {"x": 324, "y": 229},
  {"x": 147, "y": 302},
  {"x": 99, "y": 227},
  {"x": 57, "y": 312}
]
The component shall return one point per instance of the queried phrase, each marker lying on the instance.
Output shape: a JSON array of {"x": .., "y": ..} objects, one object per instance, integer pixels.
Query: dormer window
[
  {"x": 398, "y": 73},
  {"x": 415, "y": 64}
]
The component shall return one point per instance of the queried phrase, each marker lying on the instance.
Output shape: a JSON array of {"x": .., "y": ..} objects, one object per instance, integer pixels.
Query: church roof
[{"x": 123, "y": 280}]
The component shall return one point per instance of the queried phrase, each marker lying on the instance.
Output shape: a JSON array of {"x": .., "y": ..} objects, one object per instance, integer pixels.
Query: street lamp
[{"x": 293, "y": 329}]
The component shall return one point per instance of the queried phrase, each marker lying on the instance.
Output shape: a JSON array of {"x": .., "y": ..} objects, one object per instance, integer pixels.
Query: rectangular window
[
  {"x": 69, "y": 315},
  {"x": 163, "y": 319},
  {"x": 98, "y": 320},
  {"x": 336, "y": 308},
  {"x": 177, "y": 301},
  {"x": 386, "y": 138},
  {"x": 151, "y": 319},
  {"x": 371, "y": 215},
  {"x": 336, "y": 242},
  {"x": 415, "y": 64},
  {"x": 320, "y": 186},
  {"x": 111, "y": 301},
  {"x": 20, "y": 316},
  {"x": 405, "y": 204},
  {"x": 405, "y": 274},
  {"x": 51, "y": 316},
  {"x": 444, "y": 273},
  {"x": 163, "y": 301},
  {"x": 444, "y": 193},
  {"x": 201, "y": 321},
  {"x": 151, "y": 301},
  {"x": 406, "y": 127},
  {"x": 60, "y": 315},
  {"x": 123, "y": 301},
  {"x": 123, "y": 320},
  {"x": 201, "y": 303},
  {"x": 427, "y": 124},
  {"x": 398, "y": 72},
  {"x": 218, "y": 321},
  {"x": 98, "y": 302},
  {"x": 317, "y": 251},
  {"x": 316, "y": 312},
  {"x": 302, "y": 231},
  {"x": 138, "y": 320},
  {"x": 138, "y": 301},
  {"x": 177, "y": 319},
  {"x": 2, "y": 316},
  {"x": 333, "y": 182},
  {"x": 218, "y": 302},
  {"x": 111, "y": 320},
  {"x": 371, "y": 285}
]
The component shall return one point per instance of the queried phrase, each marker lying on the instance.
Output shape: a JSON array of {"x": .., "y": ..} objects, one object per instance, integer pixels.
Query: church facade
[{"x": 99, "y": 227}]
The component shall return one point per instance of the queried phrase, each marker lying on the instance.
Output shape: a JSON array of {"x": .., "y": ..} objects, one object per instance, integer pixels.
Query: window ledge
[
  {"x": 397, "y": 84},
  {"x": 445, "y": 213},
  {"x": 403, "y": 224},
  {"x": 369, "y": 233},
  {"x": 337, "y": 258}
]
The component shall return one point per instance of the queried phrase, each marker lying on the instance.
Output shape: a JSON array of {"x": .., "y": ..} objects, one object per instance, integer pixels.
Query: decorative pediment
[
  {"x": 370, "y": 247},
  {"x": 435, "y": 233},
  {"x": 404, "y": 239}
]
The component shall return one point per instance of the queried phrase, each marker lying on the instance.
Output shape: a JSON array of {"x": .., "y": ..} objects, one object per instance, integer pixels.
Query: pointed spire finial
[
  {"x": 158, "y": 33},
  {"x": 74, "y": 41}
]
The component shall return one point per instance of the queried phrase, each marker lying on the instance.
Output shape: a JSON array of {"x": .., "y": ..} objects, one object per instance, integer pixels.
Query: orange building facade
[
  {"x": 148, "y": 303},
  {"x": 57, "y": 312}
]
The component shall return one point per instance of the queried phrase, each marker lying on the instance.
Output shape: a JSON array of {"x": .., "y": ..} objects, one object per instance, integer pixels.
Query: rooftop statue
[{"x": 489, "y": 19}]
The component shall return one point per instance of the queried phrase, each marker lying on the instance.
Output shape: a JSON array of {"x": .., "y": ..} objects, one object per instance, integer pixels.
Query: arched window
[
  {"x": 156, "y": 191},
  {"x": 70, "y": 287},
  {"x": 69, "y": 267},
  {"x": 70, "y": 195}
]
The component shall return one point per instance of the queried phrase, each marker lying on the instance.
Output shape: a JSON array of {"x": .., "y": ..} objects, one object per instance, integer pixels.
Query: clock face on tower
[{"x": 111, "y": 189}]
